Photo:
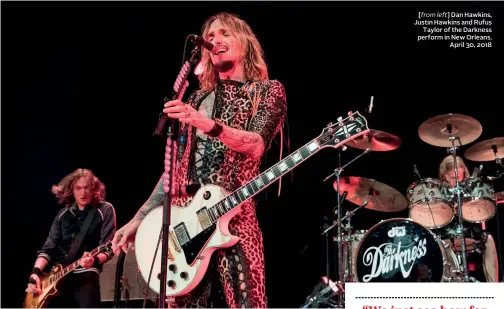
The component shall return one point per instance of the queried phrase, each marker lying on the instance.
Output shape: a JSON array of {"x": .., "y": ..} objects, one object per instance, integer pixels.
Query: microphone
[
  {"x": 370, "y": 108},
  {"x": 415, "y": 171},
  {"x": 199, "y": 41}
]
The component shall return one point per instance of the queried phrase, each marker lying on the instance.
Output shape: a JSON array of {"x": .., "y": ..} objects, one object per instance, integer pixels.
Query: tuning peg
[
  {"x": 349, "y": 113},
  {"x": 339, "y": 119}
]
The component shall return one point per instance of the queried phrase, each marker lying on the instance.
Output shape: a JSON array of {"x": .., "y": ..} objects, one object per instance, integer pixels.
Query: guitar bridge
[{"x": 174, "y": 242}]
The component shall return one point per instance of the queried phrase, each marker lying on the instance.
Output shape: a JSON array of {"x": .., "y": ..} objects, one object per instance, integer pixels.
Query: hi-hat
[
  {"x": 376, "y": 141},
  {"x": 487, "y": 150},
  {"x": 437, "y": 130},
  {"x": 380, "y": 197}
]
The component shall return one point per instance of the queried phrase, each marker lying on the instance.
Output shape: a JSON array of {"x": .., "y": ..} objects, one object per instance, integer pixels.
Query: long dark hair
[{"x": 64, "y": 189}]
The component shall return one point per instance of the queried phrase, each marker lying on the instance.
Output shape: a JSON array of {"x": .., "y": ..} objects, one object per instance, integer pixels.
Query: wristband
[
  {"x": 96, "y": 261},
  {"x": 216, "y": 130},
  {"x": 32, "y": 281},
  {"x": 36, "y": 271}
]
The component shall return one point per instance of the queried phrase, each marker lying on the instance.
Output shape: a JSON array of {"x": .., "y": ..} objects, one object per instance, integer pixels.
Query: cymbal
[
  {"x": 381, "y": 197},
  {"x": 376, "y": 140},
  {"x": 437, "y": 130},
  {"x": 484, "y": 151},
  {"x": 499, "y": 197}
]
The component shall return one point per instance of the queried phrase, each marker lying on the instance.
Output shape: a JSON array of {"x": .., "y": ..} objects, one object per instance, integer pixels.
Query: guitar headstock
[{"x": 343, "y": 131}]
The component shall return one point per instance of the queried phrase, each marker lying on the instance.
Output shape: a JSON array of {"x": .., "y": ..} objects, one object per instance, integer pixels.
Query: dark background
[{"x": 83, "y": 83}]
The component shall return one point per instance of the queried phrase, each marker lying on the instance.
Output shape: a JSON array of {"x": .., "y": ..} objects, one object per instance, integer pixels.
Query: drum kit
[{"x": 415, "y": 249}]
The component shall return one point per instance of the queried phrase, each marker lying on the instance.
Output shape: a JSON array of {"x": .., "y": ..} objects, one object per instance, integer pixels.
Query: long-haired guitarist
[
  {"x": 79, "y": 192},
  {"x": 480, "y": 239},
  {"x": 226, "y": 127}
]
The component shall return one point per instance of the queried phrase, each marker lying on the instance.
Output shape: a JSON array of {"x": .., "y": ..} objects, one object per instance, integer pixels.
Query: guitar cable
[{"x": 146, "y": 291}]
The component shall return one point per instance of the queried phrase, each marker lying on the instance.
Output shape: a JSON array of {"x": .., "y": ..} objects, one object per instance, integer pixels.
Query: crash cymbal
[
  {"x": 376, "y": 140},
  {"x": 487, "y": 150},
  {"x": 437, "y": 130},
  {"x": 380, "y": 196}
]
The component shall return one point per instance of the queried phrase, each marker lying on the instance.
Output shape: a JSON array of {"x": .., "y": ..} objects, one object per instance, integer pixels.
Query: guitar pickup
[{"x": 204, "y": 218}]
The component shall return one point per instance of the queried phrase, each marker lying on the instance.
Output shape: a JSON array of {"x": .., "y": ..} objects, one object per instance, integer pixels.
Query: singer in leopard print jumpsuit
[{"x": 226, "y": 127}]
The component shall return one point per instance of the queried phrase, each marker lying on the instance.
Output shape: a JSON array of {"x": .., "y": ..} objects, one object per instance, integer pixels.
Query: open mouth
[{"x": 221, "y": 50}]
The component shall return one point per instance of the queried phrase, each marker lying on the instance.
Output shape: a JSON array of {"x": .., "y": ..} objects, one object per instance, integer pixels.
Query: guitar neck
[
  {"x": 68, "y": 269},
  {"x": 265, "y": 179}
]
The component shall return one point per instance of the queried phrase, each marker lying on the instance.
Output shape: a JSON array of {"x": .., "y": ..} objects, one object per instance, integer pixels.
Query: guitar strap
[{"x": 80, "y": 237}]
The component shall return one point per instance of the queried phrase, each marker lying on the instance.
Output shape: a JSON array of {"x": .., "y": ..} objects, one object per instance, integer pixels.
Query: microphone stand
[
  {"x": 337, "y": 172},
  {"x": 179, "y": 88}
]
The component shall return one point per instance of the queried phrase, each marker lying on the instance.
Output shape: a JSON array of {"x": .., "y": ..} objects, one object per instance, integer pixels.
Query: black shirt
[{"x": 66, "y": 227}]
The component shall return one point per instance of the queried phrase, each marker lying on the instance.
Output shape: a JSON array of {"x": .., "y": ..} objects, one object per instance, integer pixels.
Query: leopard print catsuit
[{"x": 241, "y": 267}]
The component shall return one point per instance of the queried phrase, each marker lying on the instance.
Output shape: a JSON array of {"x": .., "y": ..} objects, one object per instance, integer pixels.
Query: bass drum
[{"x": 401, "y": 250}]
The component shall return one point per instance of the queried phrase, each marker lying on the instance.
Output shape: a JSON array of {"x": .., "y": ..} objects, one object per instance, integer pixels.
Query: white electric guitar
[{"x": 200, "y": 228}]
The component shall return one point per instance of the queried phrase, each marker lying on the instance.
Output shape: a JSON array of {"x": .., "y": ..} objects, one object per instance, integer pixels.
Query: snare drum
[
  {"x": 478, "y": 201},
  {"x": 430, "y": 203},
  {"x": 401, "y": 250}
]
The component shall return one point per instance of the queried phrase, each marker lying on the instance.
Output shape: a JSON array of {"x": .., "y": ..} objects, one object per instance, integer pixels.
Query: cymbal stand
[
  {"x": 497, "y": 160},
  {"x": 460, "y": 228},
  {"x": 341, "y": 273}
]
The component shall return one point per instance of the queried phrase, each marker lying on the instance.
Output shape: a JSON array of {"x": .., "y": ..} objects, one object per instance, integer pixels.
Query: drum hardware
[
  {"x": 337, "y": 172},
  {"x": 322, "y": 295},
  {"x": 442, "y": 131},
  {"x": 479, "y": 203},
  {"x": 487, "y": 150},
  {"x": 458, "y": 191},
  {"x": 442, "y": 203}
]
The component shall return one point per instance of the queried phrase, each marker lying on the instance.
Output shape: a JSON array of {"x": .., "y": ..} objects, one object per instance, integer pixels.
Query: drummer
[{"x": 490, "y": 260}]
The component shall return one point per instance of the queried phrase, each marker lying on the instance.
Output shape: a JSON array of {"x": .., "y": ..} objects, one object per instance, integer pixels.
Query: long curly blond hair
[
  {"x": 254, "y": 66},
  {"x": 64, "y": 189}
]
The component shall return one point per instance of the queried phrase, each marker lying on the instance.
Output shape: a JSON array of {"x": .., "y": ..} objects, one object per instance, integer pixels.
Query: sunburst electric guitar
[
  {"x": 200, "y": 228},
  {"x": 49, "y": 282}
]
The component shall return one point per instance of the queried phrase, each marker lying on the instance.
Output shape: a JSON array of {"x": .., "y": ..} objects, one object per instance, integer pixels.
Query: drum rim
[
  {"x": 475, "y": 177},
  {"x": 435, "y": 199},
  {"x": 354, "y": 258},
  {"x": 416, "y": 183}
]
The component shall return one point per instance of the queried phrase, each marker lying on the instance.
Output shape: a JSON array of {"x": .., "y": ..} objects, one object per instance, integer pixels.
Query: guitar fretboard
[
  {"x": 262, "y": 181},
  {"x": 68, "y": 269}
]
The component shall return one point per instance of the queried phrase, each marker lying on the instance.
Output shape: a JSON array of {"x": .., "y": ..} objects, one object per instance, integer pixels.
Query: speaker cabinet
[{"x": 131, "y": 283}]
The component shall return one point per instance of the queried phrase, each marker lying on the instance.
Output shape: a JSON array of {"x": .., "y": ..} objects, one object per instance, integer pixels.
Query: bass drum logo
[{"x": 399, "y": 250}]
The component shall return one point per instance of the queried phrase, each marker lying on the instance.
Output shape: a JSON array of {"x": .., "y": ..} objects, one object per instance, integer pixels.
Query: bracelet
[
  {"x": 32, "y": 281},
  {"x": 216, "y": 130},
  {"x": 36, "y": 271}
]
